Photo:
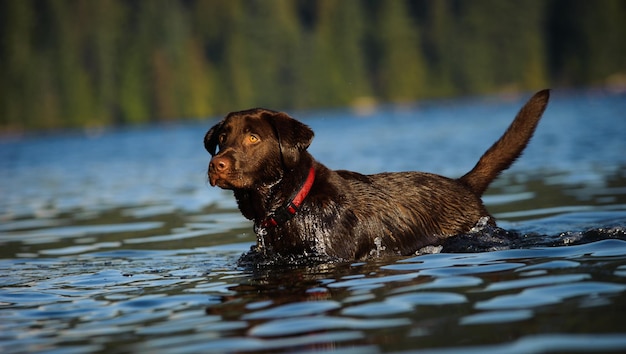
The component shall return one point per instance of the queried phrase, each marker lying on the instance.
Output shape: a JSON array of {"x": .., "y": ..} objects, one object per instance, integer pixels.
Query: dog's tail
[{"x": 509, "y": 147}]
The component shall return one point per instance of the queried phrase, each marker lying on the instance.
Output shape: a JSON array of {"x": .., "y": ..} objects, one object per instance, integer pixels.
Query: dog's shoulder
[{"x": 354, "y": 176}]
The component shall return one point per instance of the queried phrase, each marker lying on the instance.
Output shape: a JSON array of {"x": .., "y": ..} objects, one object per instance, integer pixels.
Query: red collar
[{"x": 287, "y": 211}]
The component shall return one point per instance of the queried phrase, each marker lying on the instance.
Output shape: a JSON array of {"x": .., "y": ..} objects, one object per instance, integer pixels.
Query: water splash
[
  {"x": 260, "y": 232},
  {"x": 378, "y": 242}
]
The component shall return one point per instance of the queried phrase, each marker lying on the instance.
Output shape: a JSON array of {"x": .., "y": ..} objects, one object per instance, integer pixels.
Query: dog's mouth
[
  {"x": 226, "y": 180},
  {"x": 219, "y": 180}
]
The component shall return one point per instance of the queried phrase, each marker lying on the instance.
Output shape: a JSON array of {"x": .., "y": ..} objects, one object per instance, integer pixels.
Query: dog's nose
[{"x": 219, "y": 164}]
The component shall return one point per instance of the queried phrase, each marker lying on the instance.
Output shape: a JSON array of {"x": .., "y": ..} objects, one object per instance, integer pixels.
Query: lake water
[{"x": 112, "y": 241}]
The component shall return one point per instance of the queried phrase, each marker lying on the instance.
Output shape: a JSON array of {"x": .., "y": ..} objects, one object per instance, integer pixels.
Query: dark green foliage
[{"x": 68, "y": 63}]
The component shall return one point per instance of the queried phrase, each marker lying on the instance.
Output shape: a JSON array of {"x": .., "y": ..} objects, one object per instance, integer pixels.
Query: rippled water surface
[{"x": 112, "y": 241}]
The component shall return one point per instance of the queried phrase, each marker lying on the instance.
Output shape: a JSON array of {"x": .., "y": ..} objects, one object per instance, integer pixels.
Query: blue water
[{"x": 112, "y": 241}]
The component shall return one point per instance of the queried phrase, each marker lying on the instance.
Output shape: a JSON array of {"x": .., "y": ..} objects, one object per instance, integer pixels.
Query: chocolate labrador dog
[{"x": 300, "y": 207}]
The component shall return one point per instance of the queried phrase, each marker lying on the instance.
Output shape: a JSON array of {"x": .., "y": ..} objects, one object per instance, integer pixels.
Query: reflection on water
[
  {"x": 116, "y": 244},
  {"x": 196, "y": 301}
]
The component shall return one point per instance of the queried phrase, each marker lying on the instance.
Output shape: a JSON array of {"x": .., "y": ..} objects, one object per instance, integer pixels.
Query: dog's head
[{"x": 254, "y": 147}]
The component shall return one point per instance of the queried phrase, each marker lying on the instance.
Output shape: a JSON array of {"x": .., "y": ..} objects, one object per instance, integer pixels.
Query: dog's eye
[
  {"x": 221, "y": 138},
  {"x": 253, "y": 138}
]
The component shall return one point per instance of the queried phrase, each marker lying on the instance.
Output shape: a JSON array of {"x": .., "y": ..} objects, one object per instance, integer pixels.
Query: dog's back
[{"x": 403, "y": 212}]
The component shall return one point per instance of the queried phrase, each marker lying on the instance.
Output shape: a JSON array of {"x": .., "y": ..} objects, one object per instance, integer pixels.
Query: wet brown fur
[{"x": 348, "y": 215}]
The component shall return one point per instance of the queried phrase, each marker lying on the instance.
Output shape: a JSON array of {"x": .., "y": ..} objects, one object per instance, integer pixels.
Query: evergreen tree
[
  {"x": 337, "y": 71},
  {"x": 401, "y": 68},
  {"x": 439, "y": 42},
  {"x": 586, "y": 40}
]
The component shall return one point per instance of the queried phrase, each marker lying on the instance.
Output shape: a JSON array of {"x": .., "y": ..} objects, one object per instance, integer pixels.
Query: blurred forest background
[{"x": 91, "y": 63}]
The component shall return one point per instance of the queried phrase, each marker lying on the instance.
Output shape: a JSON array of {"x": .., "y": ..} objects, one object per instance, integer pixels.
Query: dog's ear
[
  {"x": 293, "y": 136},
  {"x": 211, "y": 138}
]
